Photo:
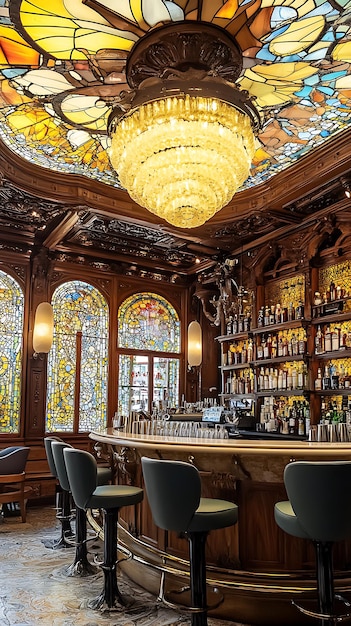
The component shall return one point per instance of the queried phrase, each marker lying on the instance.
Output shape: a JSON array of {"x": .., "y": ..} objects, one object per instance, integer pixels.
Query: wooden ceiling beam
[{"x": 61, "y": 230}]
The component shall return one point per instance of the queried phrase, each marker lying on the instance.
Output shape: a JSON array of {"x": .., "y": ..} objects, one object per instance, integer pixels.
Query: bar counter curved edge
[{"x": 258, "y": 568}]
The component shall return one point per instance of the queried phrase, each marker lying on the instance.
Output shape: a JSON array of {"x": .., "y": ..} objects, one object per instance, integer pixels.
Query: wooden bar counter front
[{"x": 258, "y": 568}]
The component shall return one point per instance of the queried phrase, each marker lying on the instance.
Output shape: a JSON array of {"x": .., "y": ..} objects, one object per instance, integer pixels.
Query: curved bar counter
[{"x": 258, "y": 568}]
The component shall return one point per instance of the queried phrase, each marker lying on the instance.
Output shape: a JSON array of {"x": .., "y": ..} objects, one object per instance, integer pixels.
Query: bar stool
[
  {"x": 63, "y": 502},
  {"x": 81, "y": 469},
  {"x": 173, "y": 489},
  {"x": 80, "y": 566},
  {"x": 319, "y": 509}
]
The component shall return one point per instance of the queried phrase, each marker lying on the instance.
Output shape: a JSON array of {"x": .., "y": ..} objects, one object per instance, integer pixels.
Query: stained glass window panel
[
  {"x": 78, "y": 361},
  {"x": 146, "y": 321},
  {"x": 11, "y": 331},
  {"x": 133, "y": 383},
  {"x": 166, "y": 382}
]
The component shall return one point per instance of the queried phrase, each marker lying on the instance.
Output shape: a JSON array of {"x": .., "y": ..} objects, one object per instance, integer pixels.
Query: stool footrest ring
[
  {"x": 326, "y": 616},
  {"x": 175, "y": 605}
]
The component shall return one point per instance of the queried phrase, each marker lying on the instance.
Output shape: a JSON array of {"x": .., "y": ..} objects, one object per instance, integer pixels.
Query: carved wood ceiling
[
  {"x": 74, "y": 219},
  {"x": 295, "y": 63}
]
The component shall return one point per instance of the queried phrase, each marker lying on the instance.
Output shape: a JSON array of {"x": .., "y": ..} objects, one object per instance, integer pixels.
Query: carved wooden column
[{"x": 37, "y": 367}]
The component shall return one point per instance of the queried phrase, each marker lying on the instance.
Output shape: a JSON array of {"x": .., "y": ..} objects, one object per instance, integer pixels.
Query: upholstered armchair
[{"x": 12, "y": 477}]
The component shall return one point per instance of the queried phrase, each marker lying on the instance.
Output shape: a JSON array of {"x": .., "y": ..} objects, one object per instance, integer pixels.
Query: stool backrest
[
  {"x": 13, "y": 460},
  {"x": 173, "y": 490},
  {"x": 47, "y": 443},
  {"x": 320, "y": 495},
  {"x": 82, "y": 474},
  {"x": 57, "y": 448}
]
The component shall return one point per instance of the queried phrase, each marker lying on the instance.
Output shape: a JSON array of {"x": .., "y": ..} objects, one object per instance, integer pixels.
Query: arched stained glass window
[
  {"x": 148, "y": 323},
  {"x": 11, "y": 331},
  {"x": 78, "y": 360}
]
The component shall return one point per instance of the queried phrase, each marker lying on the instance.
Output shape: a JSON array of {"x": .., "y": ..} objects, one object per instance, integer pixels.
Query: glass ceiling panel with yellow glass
[{"x": 58, "y": 61}]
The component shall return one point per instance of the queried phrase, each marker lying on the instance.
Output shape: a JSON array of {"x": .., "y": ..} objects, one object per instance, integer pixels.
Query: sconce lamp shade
[
  {"x": 194, "y": 344},
  {"x": 43, "y": 328}
]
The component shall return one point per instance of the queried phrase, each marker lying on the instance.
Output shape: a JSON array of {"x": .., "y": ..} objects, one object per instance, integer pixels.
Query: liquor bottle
[
  {"x": 274, "y": 347},
  {"x": 318, "y": 381},
  {"x": 332, "y": 291},
  {"x": 289, "y": 379},
  {"x": 291, "y": 312},
  {"x": 334, "y": 376},
  {"x": 301, "y": 345},
  {"x": 327, "y": 340},
  {"x": 235, "y": 324},
  {"x": 300, "y": 310},
  {"x": 260, "y": 317},
  {"x": 335, "y": 339},
  {"x": 292, "y": 420},
  {"x": 307, "y": 418},
  {"x": 266, "y": 316},
  {"x": 301, "y": 425},
  {"x": 267, "y": 351},
  {"x": 318, "y": 341},
  {"x": 326, "y": 381},
  {"x": 294, "y": 345},
  {"x": 249, "y": 350},
  {"x": 280, "y": 346},
  {"x": 294, "y": 378},
  {"x": 278, "y": 313},
  {"x": 261, "y": 380},
  {"x": 259, "y": 349},
  {"x": 229, "y": 326},
  {"x": 272, "y": 315}
]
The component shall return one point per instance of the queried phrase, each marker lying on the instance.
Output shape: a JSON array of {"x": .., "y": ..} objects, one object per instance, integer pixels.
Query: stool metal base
[
  {"x": 327, "y": 618},
  {"x": 110, "y": 598},
  {"x": 64, "y": 515}
]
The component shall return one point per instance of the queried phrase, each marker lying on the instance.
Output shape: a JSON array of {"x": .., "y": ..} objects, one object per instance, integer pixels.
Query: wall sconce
[
  {"x": 43, "y": 329},
  {"x": 194, "y": 344}
]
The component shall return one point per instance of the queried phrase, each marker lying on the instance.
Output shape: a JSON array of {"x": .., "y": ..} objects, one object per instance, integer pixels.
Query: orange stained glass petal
[
  {"x": 275, "y": 84},
  {"x": 229, "y": 9},
  {"x": 14, "y": 50},
  {"x": 9, "y": 95},
  {"x": 299, "y": 36}
]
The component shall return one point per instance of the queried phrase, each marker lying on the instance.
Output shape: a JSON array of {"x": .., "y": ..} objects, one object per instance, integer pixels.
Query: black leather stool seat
[
  {"x": 81, "y": 469},
  {"x": 319, "y": 509},
  {"x": 174, "y": 493}
]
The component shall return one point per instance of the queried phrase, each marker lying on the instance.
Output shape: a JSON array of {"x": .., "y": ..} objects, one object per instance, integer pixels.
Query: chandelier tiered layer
[{"x": 182, "y": 142}]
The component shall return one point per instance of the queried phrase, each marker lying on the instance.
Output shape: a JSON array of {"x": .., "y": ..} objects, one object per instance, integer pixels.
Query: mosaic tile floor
[{"x": 34, "y": 591}]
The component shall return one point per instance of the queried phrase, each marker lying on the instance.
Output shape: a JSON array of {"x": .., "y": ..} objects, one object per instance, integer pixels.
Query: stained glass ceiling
[{"x": 59, "y": 59}]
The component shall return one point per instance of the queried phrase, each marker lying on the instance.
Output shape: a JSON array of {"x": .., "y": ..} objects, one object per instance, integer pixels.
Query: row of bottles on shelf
[
  {"x": 242, "y": 352},
  {"x": 331, "y": 300},
  {"x": 286, "y": 378},
  {"x": 335, "y": 411},
  {"x": 332, "y": 377},
  {"x": 284, "y": 343},
  {"x": 286, "y": 416},
  {"x": 276, "y": 314},
  {"x": 240, "y": 383},
  {"x": 281, "y": 344},
  {"x": 240, "y": 323},
  {"x": 332, "y": 338}
]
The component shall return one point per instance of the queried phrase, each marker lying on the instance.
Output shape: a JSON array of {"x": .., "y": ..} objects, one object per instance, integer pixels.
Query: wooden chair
[{"x": 12, "y": 477}]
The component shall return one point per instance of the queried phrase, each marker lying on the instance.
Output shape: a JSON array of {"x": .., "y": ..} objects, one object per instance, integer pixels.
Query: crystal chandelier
[{"x": 182, "y": 139}]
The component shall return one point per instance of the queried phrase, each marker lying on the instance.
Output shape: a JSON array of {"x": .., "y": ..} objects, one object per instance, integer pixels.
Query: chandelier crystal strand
[{"x": 183, "y": 158}]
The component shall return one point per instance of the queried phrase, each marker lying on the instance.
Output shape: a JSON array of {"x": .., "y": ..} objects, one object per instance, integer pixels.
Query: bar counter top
[{"x": 235, "y": 445}]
